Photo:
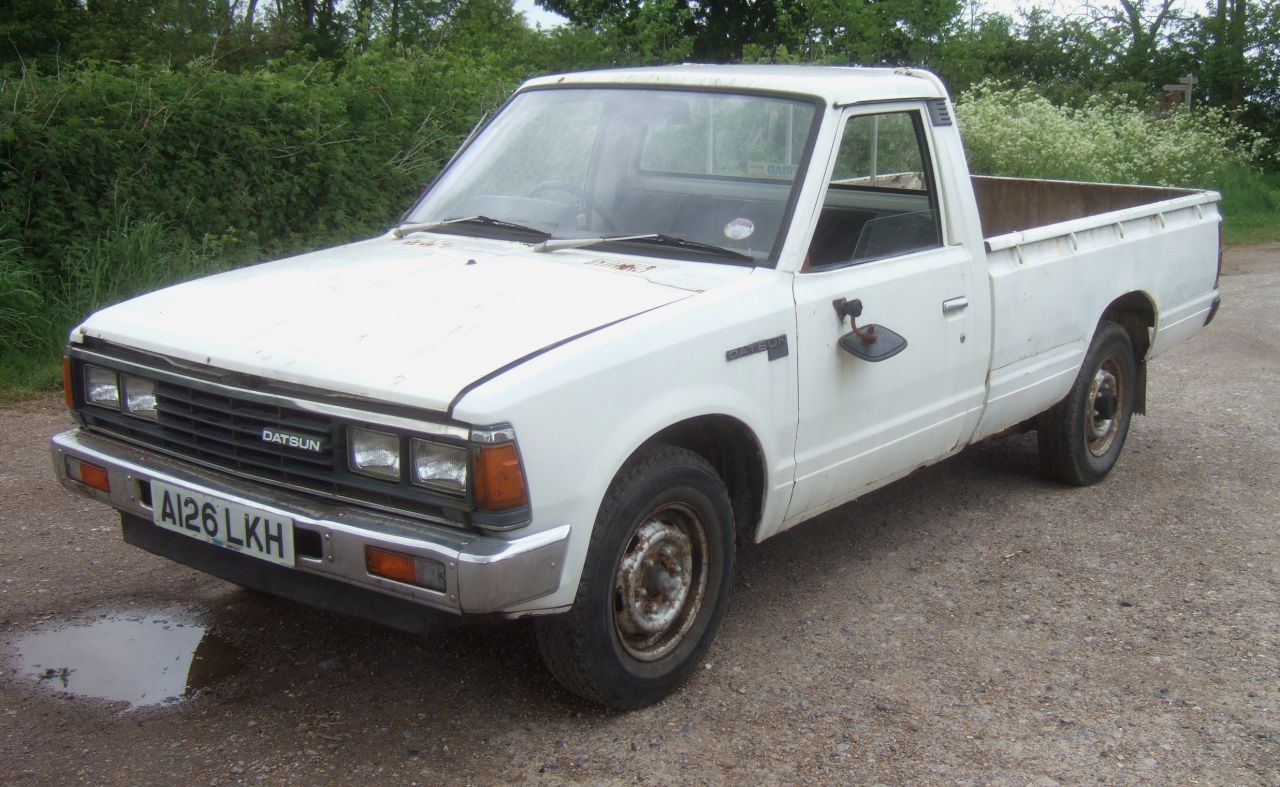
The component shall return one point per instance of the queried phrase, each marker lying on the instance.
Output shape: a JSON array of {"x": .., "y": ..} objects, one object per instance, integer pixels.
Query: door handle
[{"x": 953, "y": 305}]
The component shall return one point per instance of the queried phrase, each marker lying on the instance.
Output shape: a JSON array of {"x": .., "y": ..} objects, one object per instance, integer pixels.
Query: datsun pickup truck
[{"x": 642, "y": 316}]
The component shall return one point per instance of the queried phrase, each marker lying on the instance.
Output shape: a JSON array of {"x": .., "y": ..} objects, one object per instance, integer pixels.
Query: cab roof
[{"x": 833, "y": 84}]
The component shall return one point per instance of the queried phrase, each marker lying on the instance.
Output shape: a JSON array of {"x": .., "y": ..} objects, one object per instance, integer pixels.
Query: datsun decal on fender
[{"x": 776, "y": 347}]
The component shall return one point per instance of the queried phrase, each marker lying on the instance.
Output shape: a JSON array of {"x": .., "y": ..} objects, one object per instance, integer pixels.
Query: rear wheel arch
[
  {"x": 1080, "y": 438},
  {"x": 1135, "y": 312}
]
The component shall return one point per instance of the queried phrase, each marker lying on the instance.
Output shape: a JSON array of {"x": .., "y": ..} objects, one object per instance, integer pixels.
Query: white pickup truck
[{"x": 641, "y": 317}]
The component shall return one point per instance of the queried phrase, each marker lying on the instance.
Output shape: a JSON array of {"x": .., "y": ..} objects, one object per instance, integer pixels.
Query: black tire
[
  {"x": 613, "y": 647},
  {"x": 1080, "y": 438}
]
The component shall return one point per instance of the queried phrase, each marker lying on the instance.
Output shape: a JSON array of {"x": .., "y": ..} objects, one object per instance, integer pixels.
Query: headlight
[
  {"x": 140, "y": 396},
  {"x": 439, "y": 465},
  {"x": 101, "y": 387},
  {"x": 373, "y": 453}
]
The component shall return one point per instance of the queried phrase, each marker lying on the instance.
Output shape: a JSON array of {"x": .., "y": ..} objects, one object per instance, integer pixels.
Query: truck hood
[{"x": 412, "y": 321}]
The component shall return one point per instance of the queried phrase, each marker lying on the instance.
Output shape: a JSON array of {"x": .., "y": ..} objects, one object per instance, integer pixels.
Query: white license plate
[{"x": 249, "y": 531}]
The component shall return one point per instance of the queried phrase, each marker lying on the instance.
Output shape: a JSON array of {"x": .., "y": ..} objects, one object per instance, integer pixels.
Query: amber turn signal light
[
  {"x": 89, "y": 475},
  {"x": 95, "y": 477},
  {"x": 421, "y": 571},
  {"x": 391, "y": 565},
  {"x": 499, "y": 479}
]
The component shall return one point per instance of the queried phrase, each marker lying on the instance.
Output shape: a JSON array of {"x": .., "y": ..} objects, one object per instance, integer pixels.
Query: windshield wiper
[
  {"x": 554, "y": 244},
  {"x": 406, "y": 229},
  {"x": 654, "y": 238}
]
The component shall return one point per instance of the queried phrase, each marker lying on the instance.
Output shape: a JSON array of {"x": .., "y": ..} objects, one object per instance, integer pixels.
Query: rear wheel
[
  {"x": 654, "y": 586},
  {"x": 1080, "y": 437}
]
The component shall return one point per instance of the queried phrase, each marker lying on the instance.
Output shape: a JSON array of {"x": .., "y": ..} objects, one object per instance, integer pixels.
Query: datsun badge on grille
[{"x": 302, "y": 442}]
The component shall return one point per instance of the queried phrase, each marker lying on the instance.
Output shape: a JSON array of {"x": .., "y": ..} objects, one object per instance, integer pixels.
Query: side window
[{"x": 881, "y": 200}]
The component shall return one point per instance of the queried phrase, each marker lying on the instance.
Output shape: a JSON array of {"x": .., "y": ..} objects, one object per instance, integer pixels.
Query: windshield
[{"x": 712, "y": 168}]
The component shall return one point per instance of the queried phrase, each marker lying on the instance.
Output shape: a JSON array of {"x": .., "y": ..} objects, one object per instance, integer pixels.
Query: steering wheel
[{"x": 589, "y": 201}]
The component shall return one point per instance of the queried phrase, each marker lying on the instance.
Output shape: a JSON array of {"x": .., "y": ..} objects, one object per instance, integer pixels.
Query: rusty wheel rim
[
  {"x": 1106, "y": 398},
  {"x": 660, "y": 582}
]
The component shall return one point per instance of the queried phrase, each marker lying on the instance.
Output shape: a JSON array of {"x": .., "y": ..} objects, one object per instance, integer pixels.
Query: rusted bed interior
[{"x": 1014, "y": 204}]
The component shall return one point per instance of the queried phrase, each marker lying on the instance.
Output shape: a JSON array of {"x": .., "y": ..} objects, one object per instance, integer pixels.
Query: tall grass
[
  {"x": 132, "y": 258},
  {"x": 1251, "y": 205},
  {"x": 38, "y": 310},
  {"x": 21, "y": 302}
]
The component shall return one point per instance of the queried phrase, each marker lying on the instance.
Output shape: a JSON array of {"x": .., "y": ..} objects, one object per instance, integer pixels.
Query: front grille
[
  {"x": 223, "y": 430},
  {"x": 227, "y": 431}
]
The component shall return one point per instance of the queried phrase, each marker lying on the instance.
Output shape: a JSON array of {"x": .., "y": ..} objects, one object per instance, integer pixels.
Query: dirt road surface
[{"x": 973, "y": 623}]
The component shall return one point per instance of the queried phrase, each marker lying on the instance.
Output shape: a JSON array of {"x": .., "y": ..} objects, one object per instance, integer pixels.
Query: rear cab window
[
  {"x": 722, "y": 170},
  {"x": 730, "y": 136}
]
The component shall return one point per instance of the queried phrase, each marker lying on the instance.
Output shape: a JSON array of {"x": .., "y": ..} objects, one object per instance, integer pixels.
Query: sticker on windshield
[
  {"x": 739, "y": 229},
  {"x": 771, "y": 169}
]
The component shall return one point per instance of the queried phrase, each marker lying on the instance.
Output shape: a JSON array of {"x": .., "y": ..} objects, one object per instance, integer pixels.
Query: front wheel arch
[
  {"x": 654, "y": 584},
  {"x": 734, "y": 451}
]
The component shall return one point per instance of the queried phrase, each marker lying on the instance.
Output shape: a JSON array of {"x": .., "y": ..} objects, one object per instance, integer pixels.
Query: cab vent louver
[{"x": 938, "y": 112}]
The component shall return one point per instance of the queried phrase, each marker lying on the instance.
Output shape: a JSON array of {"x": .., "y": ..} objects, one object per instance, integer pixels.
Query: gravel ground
[{"x": 970, "y": 624}]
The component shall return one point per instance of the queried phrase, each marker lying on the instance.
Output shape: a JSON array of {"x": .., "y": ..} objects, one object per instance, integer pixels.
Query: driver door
[{"x": 879, "y": 240}]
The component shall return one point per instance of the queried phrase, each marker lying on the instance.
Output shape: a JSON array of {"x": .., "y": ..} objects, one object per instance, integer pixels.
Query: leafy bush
[
  {"x": 1016, "y": 132},
  {"x": 306, "y": 150},
  {"x": 226, "y": 168}
]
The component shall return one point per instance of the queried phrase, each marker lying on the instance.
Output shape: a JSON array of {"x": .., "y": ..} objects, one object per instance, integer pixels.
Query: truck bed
[
  {"x": 1047, "y": 239},
  {"x": 1008, "y": 205}
]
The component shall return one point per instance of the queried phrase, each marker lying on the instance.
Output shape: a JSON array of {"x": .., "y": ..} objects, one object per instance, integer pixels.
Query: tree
[
  {"x": 1052, "y": 49},
  {"x": 1139, "y": 32},
  {"x": 1145, "y": 23},
  {"x": 717, "y": 29},
  {"x": 1226, "y": 41},
  {"x": 873, "y": 32},
  {"x": 977, "y": 47},
  {"x": 1234, "y": 48},
  {"x": 33, "y": 30}
]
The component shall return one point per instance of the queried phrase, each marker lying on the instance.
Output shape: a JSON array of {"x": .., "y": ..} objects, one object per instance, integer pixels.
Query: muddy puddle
[{"x": 141, "y": 657}]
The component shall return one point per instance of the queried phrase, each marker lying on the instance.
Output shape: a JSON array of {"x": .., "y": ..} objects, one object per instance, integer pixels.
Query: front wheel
[
  {"x": 1080, "y": 437},
  {"x": 654, "y": 585}
]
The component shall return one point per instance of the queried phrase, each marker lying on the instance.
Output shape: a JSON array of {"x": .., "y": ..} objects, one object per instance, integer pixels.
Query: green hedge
[
  {"x": 259, "y": 156},
  {"x": 118, "y": 179}
]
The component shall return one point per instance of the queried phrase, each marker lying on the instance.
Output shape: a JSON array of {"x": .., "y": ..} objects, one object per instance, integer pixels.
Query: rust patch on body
[
  {"x": 625, "y": 267},
  {"x": 428, "y": 244}
]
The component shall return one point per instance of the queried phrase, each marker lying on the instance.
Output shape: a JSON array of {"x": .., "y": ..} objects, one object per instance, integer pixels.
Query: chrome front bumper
[{"x": 483, "y": 574}]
